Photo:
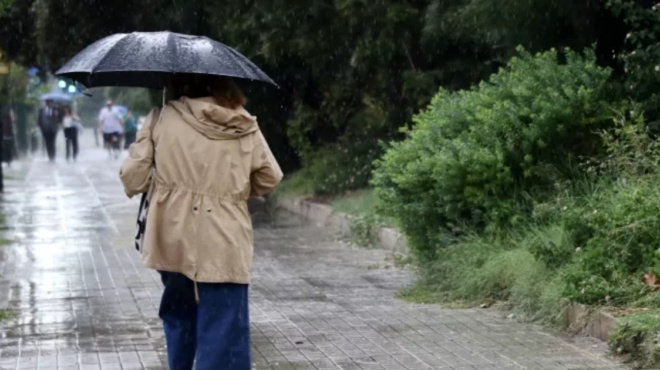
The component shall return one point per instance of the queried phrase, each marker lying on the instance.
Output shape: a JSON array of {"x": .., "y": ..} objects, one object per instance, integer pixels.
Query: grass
[
  {"x": 361, "y": 203},
  {"x": 356, "y": 203},
  {"x": 480, "y": 271},
  {"x": 637, "y": 336},
  {"x": 296, "y": 184},
  {"x": 363, "y": 206}
]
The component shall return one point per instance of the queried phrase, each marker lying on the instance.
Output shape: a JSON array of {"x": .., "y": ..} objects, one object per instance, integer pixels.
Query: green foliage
[
  {"x": 17, "y": 22},
  {"x": 641, "y": 55},
  {"x": 372, "y": 71},
  {"x": 616, "y": 227},
  {"x": 631, "y": 150},
  {"x": 473, "y": 154},
  {"x": 364, "y": 228},
  {"x": 336, "y": 169},
  {"x": 552, "y": 245},
  {"x": 537, "y": 25},
  {"x": 4, "y": 5},
  {"x": 356, "y": 203},
  {"x": 624, "y": 226},
  {"x": 365, "y": 222},
  {"x": 297, "y": 184},
  {"x": 379, "y": 62},
  {"x": 18, "y": 86},
  {"x": 638, "y": 335}
]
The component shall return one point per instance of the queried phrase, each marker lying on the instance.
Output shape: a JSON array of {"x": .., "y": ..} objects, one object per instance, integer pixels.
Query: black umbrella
[{"x": 147, "y": 59}]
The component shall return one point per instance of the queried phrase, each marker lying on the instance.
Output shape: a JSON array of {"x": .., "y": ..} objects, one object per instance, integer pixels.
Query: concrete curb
[
  {"x": 324, "y": 216},
  {"x": 592, "y": 322}
]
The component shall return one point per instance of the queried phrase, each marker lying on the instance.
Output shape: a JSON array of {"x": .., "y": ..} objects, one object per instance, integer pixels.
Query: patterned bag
[{"x": 146, "y": 197}]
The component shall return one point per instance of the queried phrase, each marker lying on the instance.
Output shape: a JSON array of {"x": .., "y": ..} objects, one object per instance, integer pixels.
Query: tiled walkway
[{"x": 81, "y": 300}]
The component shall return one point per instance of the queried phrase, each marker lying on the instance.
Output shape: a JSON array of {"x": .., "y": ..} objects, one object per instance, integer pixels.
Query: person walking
[
  {"x": 49, "y": 121},
  {"x": 110, "y": 124},
  {"x": 71, "y": 124},
  {"x": 130, "y": 129},
  {"x": 8, "y": 119},
  {"x": 203, "y": 156}
]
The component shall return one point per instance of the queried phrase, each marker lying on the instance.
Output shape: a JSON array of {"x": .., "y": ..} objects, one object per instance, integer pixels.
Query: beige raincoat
[{"x": 209, "y": 160}]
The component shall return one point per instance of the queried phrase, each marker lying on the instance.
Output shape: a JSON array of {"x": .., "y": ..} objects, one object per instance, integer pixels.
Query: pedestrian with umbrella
[
  {"x": 49, "y": 121},
  {"x": 199, "y": 158}
]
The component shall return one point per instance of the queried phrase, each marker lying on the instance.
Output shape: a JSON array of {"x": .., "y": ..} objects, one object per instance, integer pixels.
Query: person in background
[
  {"x": 110, "y": 124},
  {"x": 130, "y": 129},
  {"x": 71, "y": 124},
  {"x": 49, "y": 121},
  {"x": 211, "y": 158},
  {"x": 8, "y": 146}
]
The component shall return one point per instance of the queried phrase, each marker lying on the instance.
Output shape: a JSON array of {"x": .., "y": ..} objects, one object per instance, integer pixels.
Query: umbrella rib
[
  {"x": 107, "y": 53},
  {"x": 241, "y": 63},
  {"x": 231, "y": 53}
]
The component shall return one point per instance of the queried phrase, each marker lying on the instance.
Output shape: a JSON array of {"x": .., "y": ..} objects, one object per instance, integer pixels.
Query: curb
[
  {"x": 324, "y": 216},
  {"x": 589, "y": 321}
]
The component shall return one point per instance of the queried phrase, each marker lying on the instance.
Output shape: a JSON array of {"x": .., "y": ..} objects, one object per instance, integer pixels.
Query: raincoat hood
[{"x": 215, "y": 121}]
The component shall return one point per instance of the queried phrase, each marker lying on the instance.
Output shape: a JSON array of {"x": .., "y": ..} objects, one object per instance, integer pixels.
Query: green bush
[
  {"x": 616, "y": 226},
  {"x": 552, "y": 245},
  {"x": 472, "y": 156},
  {"x": 364, "y": 227},
  {"x": 624, "y": 222}
]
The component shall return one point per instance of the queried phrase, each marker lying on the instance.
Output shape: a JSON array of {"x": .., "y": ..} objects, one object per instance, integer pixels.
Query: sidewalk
[{"x": 81, "y": 300}]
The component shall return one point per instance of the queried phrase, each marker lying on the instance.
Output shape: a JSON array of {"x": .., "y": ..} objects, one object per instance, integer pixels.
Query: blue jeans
[{"x": 215, "y": 332}]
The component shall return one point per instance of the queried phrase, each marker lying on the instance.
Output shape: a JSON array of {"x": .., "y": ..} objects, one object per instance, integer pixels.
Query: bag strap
[{"x": 155, "y": 118}]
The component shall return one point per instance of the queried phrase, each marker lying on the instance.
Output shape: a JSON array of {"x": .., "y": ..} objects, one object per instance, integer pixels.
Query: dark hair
[
  {"x": 223, "y": 89},
  {"x": 67, "y": 109}
]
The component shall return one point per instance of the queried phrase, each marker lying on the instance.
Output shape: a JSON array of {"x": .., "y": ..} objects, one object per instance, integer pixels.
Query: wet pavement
[{"x": 80, "y": 299}]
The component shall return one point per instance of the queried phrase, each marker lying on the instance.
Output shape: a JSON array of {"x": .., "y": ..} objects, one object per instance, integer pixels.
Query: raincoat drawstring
[{"x": 196, "y": 293}]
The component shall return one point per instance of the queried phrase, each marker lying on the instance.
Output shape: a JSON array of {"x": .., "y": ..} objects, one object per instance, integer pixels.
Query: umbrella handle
[{"x": 164, "y": 94}]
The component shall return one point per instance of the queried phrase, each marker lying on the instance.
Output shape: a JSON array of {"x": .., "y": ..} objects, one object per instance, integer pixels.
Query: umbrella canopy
[
  {"x": 121, "y": 109},
  {"x": 147, "y": 59},
  {"x": 57, "y": 97}
]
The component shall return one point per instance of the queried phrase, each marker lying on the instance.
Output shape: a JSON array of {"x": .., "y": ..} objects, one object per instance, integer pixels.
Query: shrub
[
  {"x": 617, "y": 226},
  {"x": 364, "y": 228},
  {"x": 472, "y": 155},
  {"x": 551, "y": 245},
  {"x": 624, "y": 223}
]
